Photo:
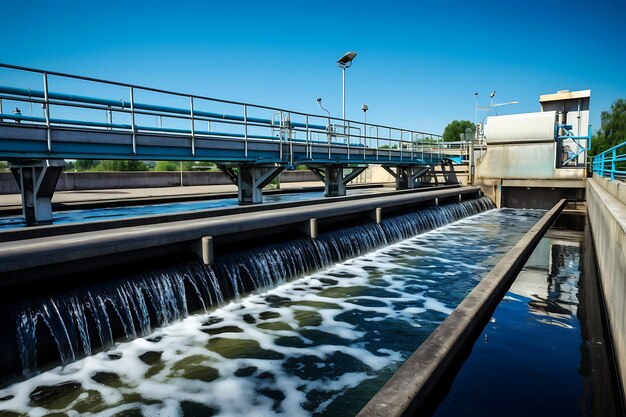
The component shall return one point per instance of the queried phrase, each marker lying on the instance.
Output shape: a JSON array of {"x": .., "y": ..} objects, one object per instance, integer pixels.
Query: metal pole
[
  {"x": 193, "y": 133},
  {"x": 181, "y": 173},
  {"x": 245, "y": 131},
  {"x": 47, "y": 112},
  {"x": 348, "y": 140},
  {"x": 344, "y": 98},
  {"x": 132, "y": 118},
  {"x": 308, "y": 139},
  {"x": 364, "y": 132},
  {"x": 377, "y": 143}
]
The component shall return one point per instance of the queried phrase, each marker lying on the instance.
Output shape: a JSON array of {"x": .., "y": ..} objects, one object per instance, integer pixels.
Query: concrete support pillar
[
  {"x": 336, "y": 177},
  {"x": 408, "y": 176},
  {"x": 447, "y": 168},
  {"x": 377, "y": 215},
  {"x": 310, "y": 228},
  {"x": 37, "y": 181},
  {"x": 203, "y": 248},
  {"x": 250, "y": 181}
]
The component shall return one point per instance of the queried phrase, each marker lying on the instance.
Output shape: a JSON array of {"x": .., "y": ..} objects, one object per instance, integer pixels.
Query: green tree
[
  {"x": 123, "y": 165},
  {"x": 455, "y": 130},
  {"x": 166, "y": 166},
  {"x": 187, "y": 166},
  {"x": 86, "y": 164},
  {"x": 613, "y": 128},
  {"x": 4, "y": 166}
]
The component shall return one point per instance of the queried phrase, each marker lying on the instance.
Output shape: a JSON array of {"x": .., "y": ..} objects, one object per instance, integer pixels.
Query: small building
[{"x": 535, "y": 159}]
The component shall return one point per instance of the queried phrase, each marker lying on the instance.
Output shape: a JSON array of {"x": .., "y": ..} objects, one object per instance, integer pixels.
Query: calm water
[
  {"x": 92, "y": 215},
  {"x": 321, "y": 345},
  {"x": 543, "y": 352}
]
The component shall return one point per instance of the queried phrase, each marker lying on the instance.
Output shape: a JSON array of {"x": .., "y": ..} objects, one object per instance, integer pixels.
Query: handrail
[
  {"x": 611, "y": 163},
  {"x": 244, "y": 123},
  {"x": 170, "y": 92}
]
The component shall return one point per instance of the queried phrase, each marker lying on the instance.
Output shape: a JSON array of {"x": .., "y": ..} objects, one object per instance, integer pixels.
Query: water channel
[{"x": 320, "y": 345}]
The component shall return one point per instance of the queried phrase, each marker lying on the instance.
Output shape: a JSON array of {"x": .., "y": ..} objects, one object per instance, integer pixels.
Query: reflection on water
[
  {"x": 321, "y": 345},
  {"x": 543, "y": 352},
  {"x": 112, "y": 213}
]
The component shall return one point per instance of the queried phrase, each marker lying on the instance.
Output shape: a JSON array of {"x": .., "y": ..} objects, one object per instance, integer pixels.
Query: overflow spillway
[
  {"x": 320, "y": 345},
  {"x": 60, "y": 327}
]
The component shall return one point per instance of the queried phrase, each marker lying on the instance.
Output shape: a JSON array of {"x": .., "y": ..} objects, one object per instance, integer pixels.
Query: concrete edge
[
  {"x": 614, "y": 205},
  {"x": 412, "y": 383},
  {"x": 80, "y": 227},
  {"x": 611, "y": 216},
  {"x": 42, "y": 251}
]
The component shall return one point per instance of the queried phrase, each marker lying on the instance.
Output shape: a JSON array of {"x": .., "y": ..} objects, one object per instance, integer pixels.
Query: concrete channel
[
  {"x": 419, "y": 376},
  {"x": 79, "y": 227},
  {"x": 37, "y": 258}
]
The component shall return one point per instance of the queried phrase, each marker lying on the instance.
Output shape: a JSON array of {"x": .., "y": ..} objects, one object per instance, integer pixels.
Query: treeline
[
  {"x": 612, "y": 131},
  {"x": 82, "y": 165}
]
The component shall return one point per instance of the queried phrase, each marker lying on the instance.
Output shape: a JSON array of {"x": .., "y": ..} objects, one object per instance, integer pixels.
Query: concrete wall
[
  {"x": 110, "y": 180},
  {"x": 376, "y": 174},
  {"x": 606, "y": 205}
]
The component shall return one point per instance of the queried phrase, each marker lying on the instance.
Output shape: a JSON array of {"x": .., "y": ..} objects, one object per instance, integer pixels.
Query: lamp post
[
  {"x": 365, "y": 109},
  {"x": 488, "y": 109},
  {"x": 345, "y": 62}
]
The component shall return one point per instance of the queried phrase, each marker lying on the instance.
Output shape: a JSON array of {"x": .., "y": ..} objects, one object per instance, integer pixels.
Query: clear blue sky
[{"x": 419, "y": 63}]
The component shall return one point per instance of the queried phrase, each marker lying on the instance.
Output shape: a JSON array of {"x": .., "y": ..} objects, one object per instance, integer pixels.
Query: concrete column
[
  {"x": 250, "y": 181},
  {"x": 333, "y": 183},
  {"x": 335, "y": 178},
  {"x": 409, "y": 176},
  {"x": 37, "y": 181}
]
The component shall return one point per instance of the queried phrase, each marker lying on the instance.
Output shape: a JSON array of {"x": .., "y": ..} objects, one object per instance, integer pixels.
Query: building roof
[{"x": 565, "y": 95}]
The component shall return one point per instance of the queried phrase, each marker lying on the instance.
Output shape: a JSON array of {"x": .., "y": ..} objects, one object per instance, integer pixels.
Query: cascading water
[
  {"x": 264, "y": 266},
  {"x": 85, "y": 319}
]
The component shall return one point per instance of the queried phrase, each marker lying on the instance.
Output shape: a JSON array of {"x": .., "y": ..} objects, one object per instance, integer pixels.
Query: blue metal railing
[
  {"x": 567, "y": 157},
  {"x": 55, "y": 107},
  {"x": 611, "y": 163}
]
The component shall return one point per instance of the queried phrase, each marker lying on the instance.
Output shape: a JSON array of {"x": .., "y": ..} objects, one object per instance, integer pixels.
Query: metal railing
[
  {"x": 156, "y": 112},
  {"x": 611, "y": 163}
]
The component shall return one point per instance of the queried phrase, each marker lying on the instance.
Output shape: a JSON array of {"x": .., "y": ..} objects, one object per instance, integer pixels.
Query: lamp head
[
  {"x": 493, "y": 94},
  {"x": 319, "y": 99},
  {"x": 364, "y": 108},
  {"x": 346, "y": 59}
]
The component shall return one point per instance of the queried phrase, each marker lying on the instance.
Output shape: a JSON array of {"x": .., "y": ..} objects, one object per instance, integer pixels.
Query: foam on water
[{"x": 320, "y": 345}]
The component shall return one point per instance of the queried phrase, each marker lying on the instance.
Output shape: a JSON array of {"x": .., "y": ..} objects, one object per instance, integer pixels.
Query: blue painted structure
[
  {"x": 251, "y": 146},
  {"x": 257, "y": 134},
  {"x": 611, "y": 163}
]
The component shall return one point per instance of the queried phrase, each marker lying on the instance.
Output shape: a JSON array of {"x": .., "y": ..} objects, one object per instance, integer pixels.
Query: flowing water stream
[{"x": 320, "y": 345}]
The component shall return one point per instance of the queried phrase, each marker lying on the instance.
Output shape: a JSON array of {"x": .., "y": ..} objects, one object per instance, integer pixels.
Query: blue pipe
[{"x": 122, "y": 104}]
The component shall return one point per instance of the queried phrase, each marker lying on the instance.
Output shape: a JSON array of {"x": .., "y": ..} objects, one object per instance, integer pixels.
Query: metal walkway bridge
[{"x": 75, "y": 117}]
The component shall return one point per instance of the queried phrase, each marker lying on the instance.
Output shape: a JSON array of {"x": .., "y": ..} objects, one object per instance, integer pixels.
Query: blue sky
[{"x": 419, "y": 63}]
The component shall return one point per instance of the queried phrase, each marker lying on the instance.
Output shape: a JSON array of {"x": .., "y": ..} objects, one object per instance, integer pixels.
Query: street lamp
[
  {"x": 345, "y": 62},
  {"x": 488, "y": 109}
]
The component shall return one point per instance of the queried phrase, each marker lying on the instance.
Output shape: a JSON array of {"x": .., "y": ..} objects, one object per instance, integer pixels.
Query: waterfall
[
  {"x": 93, "y": 317},
  {"x": 266, "y": 265}
]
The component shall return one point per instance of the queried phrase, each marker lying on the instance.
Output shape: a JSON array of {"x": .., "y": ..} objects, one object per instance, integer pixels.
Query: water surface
[{"x": 321, "y": 345}]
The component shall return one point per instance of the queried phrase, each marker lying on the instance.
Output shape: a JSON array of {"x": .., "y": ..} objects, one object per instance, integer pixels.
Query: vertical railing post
[
  {"x": 613, "y": 156},
  {"x": 389, "y": 153},
  {"x": 193, "y": 127},
  {"x": 377, "y": 143},
  {"x": 245, "y": 130},
  {"x": 309, "y": 148},
  {"x": 348, "y": 139},
  {"x": 601, "y": 166},
  {"x": 280, "y": 136},
  {"x": 401, "y": 143},
  {"x": 47, "y": 111},
  {"x": 132, "y": 119}
]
